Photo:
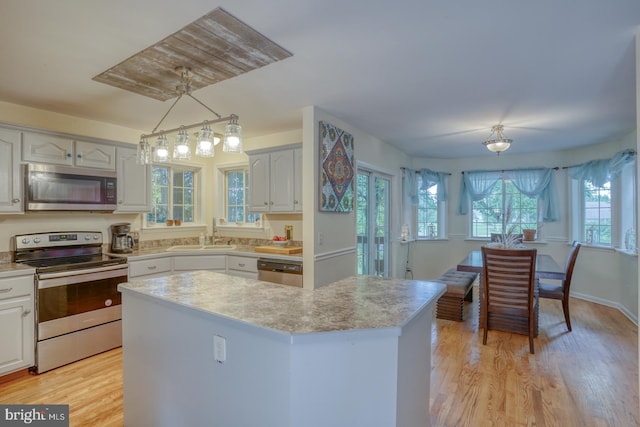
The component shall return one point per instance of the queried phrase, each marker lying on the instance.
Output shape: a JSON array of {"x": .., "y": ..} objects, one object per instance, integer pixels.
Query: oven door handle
[{"x": 47, "y": 280}]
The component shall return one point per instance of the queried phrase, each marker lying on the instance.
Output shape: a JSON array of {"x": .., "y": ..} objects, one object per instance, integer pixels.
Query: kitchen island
[{"x": 208, "y": 349}]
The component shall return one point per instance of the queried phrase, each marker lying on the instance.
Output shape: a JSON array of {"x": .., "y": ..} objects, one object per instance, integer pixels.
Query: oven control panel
[{"x": 48, "y": 240}]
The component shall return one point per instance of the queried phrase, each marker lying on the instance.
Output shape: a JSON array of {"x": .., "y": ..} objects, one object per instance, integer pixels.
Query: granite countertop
[
  {"x": 12, "y": 269},
  {"x": 355, "y": 303}
]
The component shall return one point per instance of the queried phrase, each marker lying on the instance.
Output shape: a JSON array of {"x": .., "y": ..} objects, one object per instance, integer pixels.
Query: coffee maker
[{"x": 121, "y": 240}]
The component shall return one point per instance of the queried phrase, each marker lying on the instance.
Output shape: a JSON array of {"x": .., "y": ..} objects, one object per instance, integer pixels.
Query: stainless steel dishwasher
[{"x": 284, "y": 272}]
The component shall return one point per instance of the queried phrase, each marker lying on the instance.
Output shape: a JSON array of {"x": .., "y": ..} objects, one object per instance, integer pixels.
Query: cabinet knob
[
  {"x": 295, "y": 202},
  {"x": 152, "y": 267},
  {"x": 16, "y": 200},
  {"x": 68, "y": 155},
  {"x": 271, "y": 203},
  {"x": 5, "y": 290},
  {"x": 79, "y": 155},
  {"x": 26, "y": 313},
  {"x": 266, "y": 203}
]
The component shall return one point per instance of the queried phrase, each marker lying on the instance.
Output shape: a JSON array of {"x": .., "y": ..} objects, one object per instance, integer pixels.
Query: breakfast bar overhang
[{"x": 205, "y": 348}]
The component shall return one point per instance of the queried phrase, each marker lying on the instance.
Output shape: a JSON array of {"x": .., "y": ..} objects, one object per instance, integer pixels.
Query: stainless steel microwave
[{"x": 65, "y": 188}]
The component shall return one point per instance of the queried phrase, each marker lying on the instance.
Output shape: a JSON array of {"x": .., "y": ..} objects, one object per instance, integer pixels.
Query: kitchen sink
[{"x": 200, "y": 248}]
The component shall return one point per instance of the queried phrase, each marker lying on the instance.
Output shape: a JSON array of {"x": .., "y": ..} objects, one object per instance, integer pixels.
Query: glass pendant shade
[
  {"x": 144, "y": 152},
  {"x": 161, "y": 153},
  {"x": 182, "y": 148},
  {"x": 232, "y": 137},
  {"x": 498, "y": 146},
  {"x": 499, "y": 143},
  {"x": 204, "y": 147}
]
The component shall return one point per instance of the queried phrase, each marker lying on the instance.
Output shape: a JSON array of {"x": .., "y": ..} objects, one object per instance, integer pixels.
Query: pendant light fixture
[
  {"x": 206, "y": 138},
  {"x": 232, "y": 136},
  {"x": 161, "y": 152},
  {"x": 206, "y": 142},
  {"x": 498, "y": 143},
  {"x": 182, "y": 148}
]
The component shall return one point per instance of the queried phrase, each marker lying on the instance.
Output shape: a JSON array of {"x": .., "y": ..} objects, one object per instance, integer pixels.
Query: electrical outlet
[
  {"x": 320, "y": 238},
  {"x": 219, "y": 348}
]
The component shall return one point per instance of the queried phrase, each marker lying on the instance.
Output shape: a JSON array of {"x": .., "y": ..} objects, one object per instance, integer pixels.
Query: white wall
[{"x": 335, "y": 257}]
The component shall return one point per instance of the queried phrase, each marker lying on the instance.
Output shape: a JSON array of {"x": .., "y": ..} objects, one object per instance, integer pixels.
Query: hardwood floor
[
  {"x": 91, "y": 387},
  {"x": 588, "y": 377}
]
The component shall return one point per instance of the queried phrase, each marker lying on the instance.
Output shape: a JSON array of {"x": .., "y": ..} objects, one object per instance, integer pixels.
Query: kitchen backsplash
[{"x": 239, "y": 241}]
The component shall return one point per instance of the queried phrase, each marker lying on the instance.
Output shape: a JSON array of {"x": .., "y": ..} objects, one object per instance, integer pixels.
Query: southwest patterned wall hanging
[{"x": 337, "y": 170}]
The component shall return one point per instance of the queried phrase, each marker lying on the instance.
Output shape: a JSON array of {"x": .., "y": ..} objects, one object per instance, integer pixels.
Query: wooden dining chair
[
  {"x": 560, "y": 291},
  {"x": 510, "y": 301}
]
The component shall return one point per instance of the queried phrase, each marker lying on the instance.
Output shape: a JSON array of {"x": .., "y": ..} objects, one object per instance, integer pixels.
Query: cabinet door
[
  {"x": 10, "y": 173},
  {"x": 134, "y": 182},
  {"x": 146, "y": 268},
  {"x": 259, "y": 183},
  {"x": 92, "y": 155},
  {"x": 16, "y": 334},
  {"x": 297, "y": 180},
  {"x": 47, "y": 148},
  {"x": 200, "y": 262},
  {"x": 281, "y": 184}
]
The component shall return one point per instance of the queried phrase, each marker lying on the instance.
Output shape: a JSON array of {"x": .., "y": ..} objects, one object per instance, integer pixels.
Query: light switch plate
[{"x": 219, "y": 348}]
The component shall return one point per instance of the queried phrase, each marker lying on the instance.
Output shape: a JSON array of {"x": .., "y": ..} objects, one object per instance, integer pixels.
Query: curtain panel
[
  {"x": 410, "y": 190},
  {"x": 602, "y": 170},
  {"x": 536, "y": 183}
]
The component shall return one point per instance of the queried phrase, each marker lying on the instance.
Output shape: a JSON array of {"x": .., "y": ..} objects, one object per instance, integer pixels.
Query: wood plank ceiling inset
[{"x": 215, "y": 47}]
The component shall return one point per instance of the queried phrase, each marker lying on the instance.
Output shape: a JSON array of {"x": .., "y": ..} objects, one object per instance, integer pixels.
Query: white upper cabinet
[
  {"x": 272, "y": 176},
  {"x": 43, "y": 148},
  {"x": 10, "y": 172},
  {"x": 134, "y": 182},
  {"x": 92, "y": 155},
  {"x": 281, "y": 181},
  {"x": 259, "y": 183}
]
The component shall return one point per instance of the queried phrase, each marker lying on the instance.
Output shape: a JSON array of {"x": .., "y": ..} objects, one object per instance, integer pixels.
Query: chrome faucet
[{"x": 214, "y": 230}]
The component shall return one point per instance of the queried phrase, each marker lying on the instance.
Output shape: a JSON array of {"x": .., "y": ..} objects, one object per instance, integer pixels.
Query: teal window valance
[
  {"x": 535, "y": 183},
  {"x": 602, "y": 170}
]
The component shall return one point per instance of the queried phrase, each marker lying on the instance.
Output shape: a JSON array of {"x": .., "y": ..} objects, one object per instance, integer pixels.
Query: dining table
[{"x": 546, "y": 268}]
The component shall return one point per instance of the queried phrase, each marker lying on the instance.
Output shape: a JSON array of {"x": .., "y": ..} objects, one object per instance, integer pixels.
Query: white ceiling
[{"x": 430, "y": 76}]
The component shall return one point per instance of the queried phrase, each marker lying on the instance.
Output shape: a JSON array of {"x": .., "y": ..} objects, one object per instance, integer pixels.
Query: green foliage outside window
[
  {"x": 505, "y": 210},
  {"x": 597, "y": 213},
  {"x": 179, "y": 184}
]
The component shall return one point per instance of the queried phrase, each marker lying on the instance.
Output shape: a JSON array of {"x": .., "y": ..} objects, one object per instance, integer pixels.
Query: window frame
[
  {"x": 197, "y": 195},
  {"x": 222, "y": 209},
  {"x": 504, "y": 200},
  {"x": 441, "y": 214},
  {"x": 623, "y": 211}
]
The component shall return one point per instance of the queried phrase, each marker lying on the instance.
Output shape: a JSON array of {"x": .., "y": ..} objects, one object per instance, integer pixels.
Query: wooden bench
[{"x": 450, "y": 306}]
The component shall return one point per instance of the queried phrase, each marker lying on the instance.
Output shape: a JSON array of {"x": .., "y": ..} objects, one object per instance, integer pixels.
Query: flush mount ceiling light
[
  {"x": 497, "y": 142},
  {"x": 206, "y": 137}
]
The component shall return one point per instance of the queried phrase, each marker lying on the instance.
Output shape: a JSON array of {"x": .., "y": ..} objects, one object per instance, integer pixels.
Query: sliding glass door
[{"x": 372, "y": 223}]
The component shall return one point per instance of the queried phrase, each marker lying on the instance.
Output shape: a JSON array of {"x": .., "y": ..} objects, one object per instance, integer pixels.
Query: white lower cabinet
[
  {"x": 242, "y": 266},
  {"x": 17, "y": 324},
  {"x": 146, "y": 268},
  {"x": 199, "y": 262}
]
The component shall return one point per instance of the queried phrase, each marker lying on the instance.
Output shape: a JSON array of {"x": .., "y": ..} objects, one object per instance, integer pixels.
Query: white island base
[{"x": 279, "y": 368}]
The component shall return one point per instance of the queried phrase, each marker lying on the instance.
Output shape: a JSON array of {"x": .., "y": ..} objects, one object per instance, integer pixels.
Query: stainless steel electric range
[{"x": 78, "y": 307}]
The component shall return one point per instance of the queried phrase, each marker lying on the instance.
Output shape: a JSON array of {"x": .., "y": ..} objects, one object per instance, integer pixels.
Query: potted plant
[{"x": 529, "y": 234}]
